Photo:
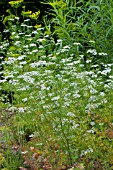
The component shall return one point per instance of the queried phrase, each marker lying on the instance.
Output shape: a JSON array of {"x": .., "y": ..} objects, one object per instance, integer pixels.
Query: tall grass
[
  {"x": 83, "y": 21},
  {"x": 63, "y": 90}
]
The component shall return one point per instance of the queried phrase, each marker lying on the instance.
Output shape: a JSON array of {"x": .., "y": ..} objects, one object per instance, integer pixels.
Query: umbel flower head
[{"x": 15, "y": 3}]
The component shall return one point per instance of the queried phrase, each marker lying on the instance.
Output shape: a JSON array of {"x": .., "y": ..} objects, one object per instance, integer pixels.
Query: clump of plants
[{"x": 61, "y": 113}]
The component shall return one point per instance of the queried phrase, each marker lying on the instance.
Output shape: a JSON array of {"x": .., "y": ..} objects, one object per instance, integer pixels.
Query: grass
[{"x": 61, "y": 116}]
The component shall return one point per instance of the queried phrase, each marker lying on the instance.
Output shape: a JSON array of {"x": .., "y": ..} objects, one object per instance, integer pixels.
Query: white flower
[
  {"x": 23, "y": 25},
  {"x": 102, "y": 93},
  {"x": 14, "y": 82},
  {"x": 75, "y": 126},
  {"x": 2, "y": 81},
  {"x": 31, "y": 135},
  {"x": 23, "y": 153},
  {"x": 75, "y": 43},
  {"x": 88, "y": 61},
  {"x": 94, "y": 66},
  {"x": 34, "y": 51},
  {"x": 21, "y": 109},
  {"x": 70, "y": 114},
  {"x": 59, "y": 40},
  {"x": 28, "y": 35},
  {"x": 17, "y": 18},
  {"x": 43, "y": 87},
  {"x": 11, "y": 60},
  {"x": 24, "y": 88},
  {"x": 10, "y": 19},
  {"x": 92, "y": 51},
  {"x": 25, "y": 99},
  {"x": 21, "y": 57},
  {"x": 58, "y": 53},
  {"x": 92, "y": 123},
  {"x": 1, "y": 48},
  {"x": 104, "y": 72},
  {"x": 55, "y": 98},
  {"x": 13, "y": 33},
  {"x": 21, "y": 33},
  {"x": 17, "y": 43},
  {"x": 84, "y": 152},
  {"x": 76, "y": 95},
  {"x": 40, "y": 63},
  {"x": 26, "y": 46},
  {"x": 26, "y": 20},
  {"x": 32, "y": 45},
  {"x": 67, "y": 47},
  {"x": 23, "y": 62},
  {"x": 76, "y": 62},
  {"x": 93, "y": 91},
  {"x": 21, "y": 132},
  {"x": 34, "y": 32},
  {"x": 111, "y": 77},
  {"x": 91, "y": 41},
  {"x": 104, "y": 101},
  {"x": 29, "y": 52},
  {"x": 17, "y": 36},
  {"x": 5, "y": 30},
  {"x": 29, "y": 26},
  {"x": 72, "y": 55},
  {"x": 12, "y": 109},
  {"x": 41, "y": 39},
  {"x": 104, "y": 54}
]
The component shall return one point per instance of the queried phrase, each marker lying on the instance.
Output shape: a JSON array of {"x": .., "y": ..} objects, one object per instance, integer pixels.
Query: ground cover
[{"x": 61, "y": 114}]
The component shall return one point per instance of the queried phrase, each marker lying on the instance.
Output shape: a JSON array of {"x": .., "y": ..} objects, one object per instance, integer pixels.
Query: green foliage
[
  {"x": 83, "y": 21},
  {"x": 62, "y": 113}
]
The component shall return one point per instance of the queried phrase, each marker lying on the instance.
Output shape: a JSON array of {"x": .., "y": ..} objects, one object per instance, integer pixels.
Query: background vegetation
[{"x": 56, "y": 85}]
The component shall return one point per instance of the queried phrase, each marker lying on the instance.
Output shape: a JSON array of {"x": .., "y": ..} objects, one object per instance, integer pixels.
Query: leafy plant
[{"x": 62, "y": 83}]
